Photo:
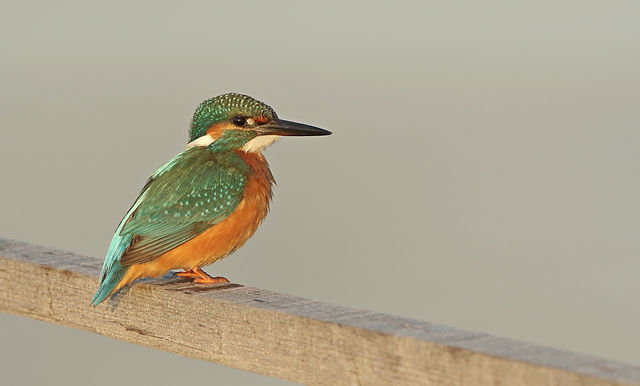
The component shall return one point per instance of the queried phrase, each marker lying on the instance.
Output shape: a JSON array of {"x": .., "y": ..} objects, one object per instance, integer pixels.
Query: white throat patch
[
  {"x": 205, "y": 140},
  {"x": 258, "y": 144},
  {"x": 255, "y": 145}
]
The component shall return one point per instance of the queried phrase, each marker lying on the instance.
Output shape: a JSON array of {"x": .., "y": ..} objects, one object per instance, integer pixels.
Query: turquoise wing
[{"x": 192, "y": 192}]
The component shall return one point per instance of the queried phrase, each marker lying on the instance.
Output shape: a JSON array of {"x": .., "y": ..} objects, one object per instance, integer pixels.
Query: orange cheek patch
[
  {"x": 260, "y": 120},
  {"x": 216, "y": 130}
]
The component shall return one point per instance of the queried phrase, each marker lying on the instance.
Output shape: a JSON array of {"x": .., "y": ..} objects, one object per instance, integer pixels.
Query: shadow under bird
[{"x": 206, "y": 202}]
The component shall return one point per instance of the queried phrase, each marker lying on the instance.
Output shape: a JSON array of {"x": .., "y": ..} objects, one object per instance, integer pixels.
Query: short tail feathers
[
  {"x": 112, "y": 271},
  {"x": 109, "y": 282}
]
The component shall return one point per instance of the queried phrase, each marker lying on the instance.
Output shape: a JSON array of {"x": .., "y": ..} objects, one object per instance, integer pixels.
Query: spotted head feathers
[{"x": 226, "y": 107}]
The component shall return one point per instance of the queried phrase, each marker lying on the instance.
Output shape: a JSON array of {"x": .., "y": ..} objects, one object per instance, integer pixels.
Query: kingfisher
[{"x": 206, "y": 202}]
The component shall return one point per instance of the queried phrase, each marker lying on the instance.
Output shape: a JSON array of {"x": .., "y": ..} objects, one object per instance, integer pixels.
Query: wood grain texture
[{"x": 281, "y": 335}]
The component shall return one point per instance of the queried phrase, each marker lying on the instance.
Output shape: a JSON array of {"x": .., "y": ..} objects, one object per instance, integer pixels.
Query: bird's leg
[
  {"x": 188, "y": 273},
  {"x": 204, "y": 278}
]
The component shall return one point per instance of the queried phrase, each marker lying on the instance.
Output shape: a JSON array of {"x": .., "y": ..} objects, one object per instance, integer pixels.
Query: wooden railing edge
[{"x": 282, "y": 335}]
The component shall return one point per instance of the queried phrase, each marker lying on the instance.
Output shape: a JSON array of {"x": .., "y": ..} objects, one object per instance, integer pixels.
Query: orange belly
[{"x": 221, "y": 239}]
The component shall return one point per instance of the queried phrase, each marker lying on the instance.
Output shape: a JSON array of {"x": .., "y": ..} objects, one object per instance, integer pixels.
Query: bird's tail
[{"x": 109, "y": 283}]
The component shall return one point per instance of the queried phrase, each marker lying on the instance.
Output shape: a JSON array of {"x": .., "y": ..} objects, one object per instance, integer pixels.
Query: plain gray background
[{"x": 483, "y": 171}]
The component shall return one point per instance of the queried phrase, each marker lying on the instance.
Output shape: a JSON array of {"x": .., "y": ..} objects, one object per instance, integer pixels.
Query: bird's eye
[{"x": 239, "y": 121}]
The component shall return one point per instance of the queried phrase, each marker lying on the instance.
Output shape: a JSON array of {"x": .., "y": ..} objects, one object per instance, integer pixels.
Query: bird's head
[{"x": 236, "y": 121}]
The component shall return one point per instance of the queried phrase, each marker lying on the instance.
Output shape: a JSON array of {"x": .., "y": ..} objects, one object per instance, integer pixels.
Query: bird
[{"x": 206, "y": 202}]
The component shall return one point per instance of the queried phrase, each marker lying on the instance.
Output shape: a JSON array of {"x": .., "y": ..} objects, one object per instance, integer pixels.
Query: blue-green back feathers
[
  {"x": 183, "y": 198},
  {"x": 199, "y": 190}
]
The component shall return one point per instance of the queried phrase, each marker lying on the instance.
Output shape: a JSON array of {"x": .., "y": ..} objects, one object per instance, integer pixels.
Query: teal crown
[{"x": 223, "y": 108}]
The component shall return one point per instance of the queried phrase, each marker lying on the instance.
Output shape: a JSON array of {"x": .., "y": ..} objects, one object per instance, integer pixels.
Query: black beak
[{"x": 282, "y": 127}]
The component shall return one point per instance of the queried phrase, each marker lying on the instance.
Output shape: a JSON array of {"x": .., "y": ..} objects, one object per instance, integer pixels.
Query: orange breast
[{"x": 223, "y": 238}]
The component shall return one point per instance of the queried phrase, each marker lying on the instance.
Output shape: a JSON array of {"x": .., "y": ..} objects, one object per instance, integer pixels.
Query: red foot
[
  {"x": 200, "y": 277},
  {"x": 188, "y": 274},
  {"x": 211, "y": 280}
]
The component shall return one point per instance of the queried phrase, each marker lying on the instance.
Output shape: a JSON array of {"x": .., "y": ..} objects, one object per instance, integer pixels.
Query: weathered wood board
[{"x": 280, "y": 335}]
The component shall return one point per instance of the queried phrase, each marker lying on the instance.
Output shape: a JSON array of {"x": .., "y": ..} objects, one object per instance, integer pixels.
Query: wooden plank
[{"x": 281, "y": 335}]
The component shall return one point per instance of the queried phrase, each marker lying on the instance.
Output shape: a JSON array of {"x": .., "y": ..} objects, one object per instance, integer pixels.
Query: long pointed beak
[{"x": 282, "y": 127}]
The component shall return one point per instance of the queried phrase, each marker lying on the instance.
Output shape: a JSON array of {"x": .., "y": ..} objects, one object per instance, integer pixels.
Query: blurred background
[{"x": 483, "y": 171}]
